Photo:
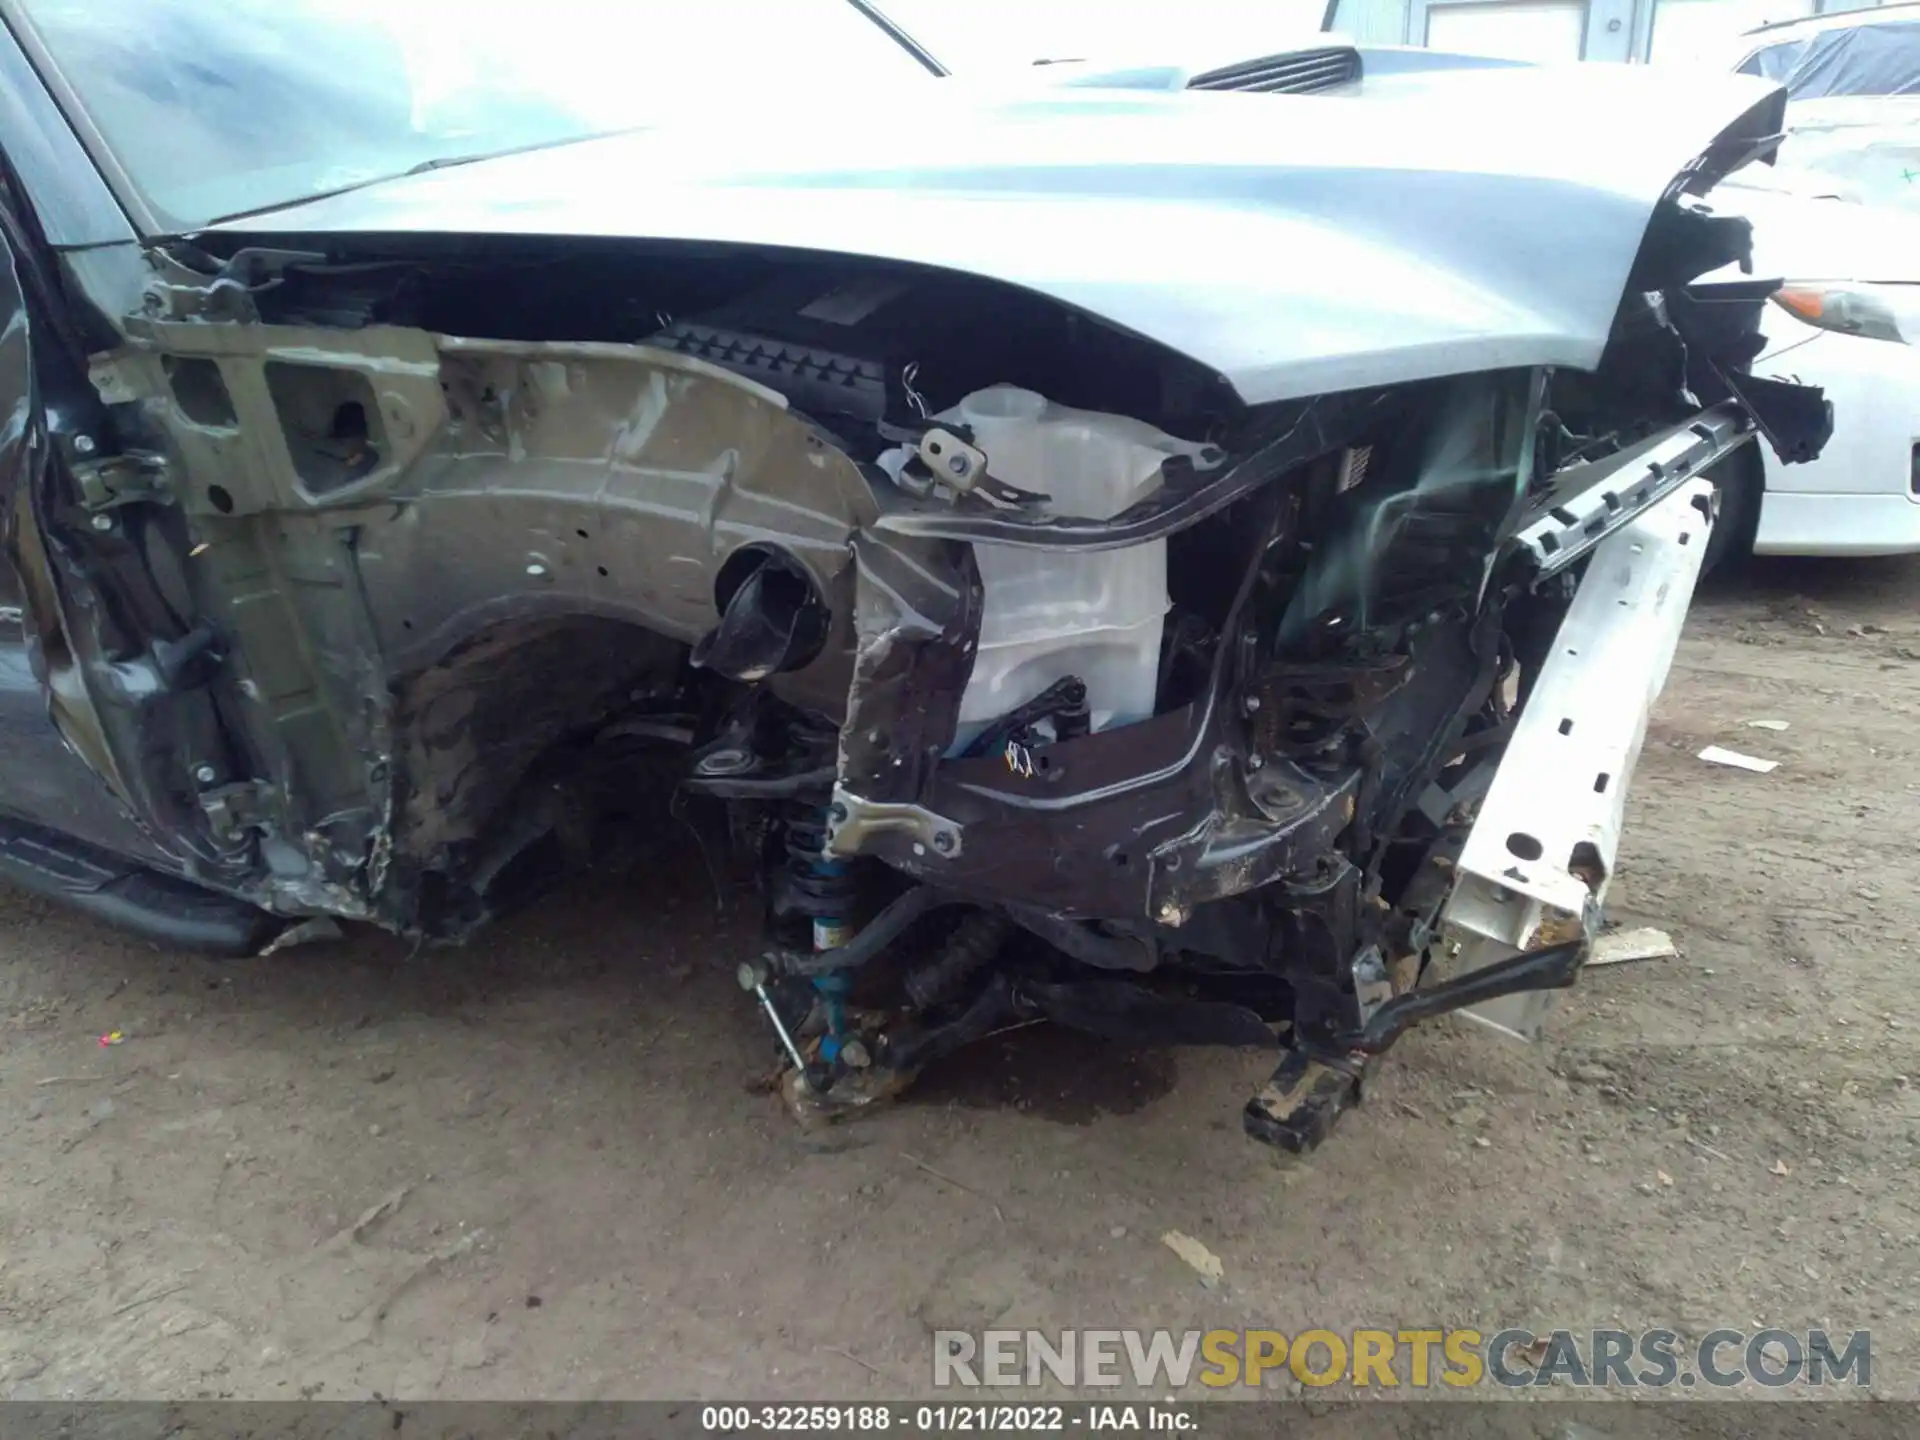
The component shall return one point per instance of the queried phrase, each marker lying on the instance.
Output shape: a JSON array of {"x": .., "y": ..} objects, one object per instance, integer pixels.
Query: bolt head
[
  {"x": 853, "y": 1054},
  {"x": 206, "y": 774},
  {"x": 957, "y": 464},
  {"x": 83, "y": 445},
  {"x": 1253, "y": 704},
  {"x": 102, "y": 522},
  {"x": 537, "y": 570},
  {"x": 1254, "y": 762},
  {"x": 943, "y": 841}
]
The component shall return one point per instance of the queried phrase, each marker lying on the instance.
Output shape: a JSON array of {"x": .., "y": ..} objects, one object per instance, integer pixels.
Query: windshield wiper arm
[
  {"x": 439, "y": 162},
  {"x": 447, "y": 162}
]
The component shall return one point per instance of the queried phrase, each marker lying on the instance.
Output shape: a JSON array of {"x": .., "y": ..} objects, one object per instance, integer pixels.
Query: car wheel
[{"x": 1740, "y": 479}]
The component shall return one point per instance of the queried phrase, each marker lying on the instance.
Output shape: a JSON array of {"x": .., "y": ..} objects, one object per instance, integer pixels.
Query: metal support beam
[{"x": 1539, "y": 859}]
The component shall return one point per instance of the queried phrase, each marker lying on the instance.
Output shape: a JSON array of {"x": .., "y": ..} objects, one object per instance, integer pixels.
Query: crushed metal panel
[{"x": 1539, "y": 860}]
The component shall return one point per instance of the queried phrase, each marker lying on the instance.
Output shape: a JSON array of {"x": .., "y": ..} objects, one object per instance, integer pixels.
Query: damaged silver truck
[{"x": 1187, "y": 560}]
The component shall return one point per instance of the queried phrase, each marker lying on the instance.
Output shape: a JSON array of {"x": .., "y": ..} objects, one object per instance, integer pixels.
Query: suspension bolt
[
  {"x": 943, "y": 841},
  {"x": 853, "y": 1054},
  {"x": 206, "y": 774},
  {"x": 83, "y": 445},
  {"x": 103, "y": 522}
]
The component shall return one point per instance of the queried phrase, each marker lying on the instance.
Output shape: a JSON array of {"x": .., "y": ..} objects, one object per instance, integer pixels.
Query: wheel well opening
[{"x": 495, "y": 746}]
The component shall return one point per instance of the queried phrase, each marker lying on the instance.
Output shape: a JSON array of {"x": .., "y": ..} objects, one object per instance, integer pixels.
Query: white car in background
[
  {"x": 1854, "y": 284},
  {"x": 1840, "y": 218},
  {"x": 1853, "y": 87}
]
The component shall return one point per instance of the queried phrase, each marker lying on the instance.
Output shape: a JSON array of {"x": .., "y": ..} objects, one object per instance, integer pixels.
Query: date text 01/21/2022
[{"x": 940, "y": 1419}]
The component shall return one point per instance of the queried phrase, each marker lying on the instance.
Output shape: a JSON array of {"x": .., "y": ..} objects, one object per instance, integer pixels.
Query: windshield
[
  {"x": 1881, "y": 59},
  {"x": 1868, "y": 150},
  {"x": 224, "y": 107}
]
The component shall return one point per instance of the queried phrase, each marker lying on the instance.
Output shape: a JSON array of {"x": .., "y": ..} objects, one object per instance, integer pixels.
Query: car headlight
[{"x": 1873, "y": 312}]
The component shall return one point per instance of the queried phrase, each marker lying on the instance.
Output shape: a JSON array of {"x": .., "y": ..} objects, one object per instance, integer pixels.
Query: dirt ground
[{"x": 569, "y": 1190}]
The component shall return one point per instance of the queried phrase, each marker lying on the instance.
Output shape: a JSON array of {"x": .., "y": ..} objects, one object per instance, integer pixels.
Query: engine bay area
[{"x": 1020, "y": 669}]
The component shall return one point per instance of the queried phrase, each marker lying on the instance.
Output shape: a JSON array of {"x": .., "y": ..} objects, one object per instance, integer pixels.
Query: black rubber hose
[
  {"x": 974, "y": 943},
  {"x": 885, "y": 928}
]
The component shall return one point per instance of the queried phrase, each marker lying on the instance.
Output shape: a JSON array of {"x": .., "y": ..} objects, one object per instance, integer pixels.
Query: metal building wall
[
  {"x": 1618, "y": 30},
  {"x": 1375, "y": 22}
]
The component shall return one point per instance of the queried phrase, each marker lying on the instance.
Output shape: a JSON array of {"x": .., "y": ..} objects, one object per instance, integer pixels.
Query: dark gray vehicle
[{"x": 1185, "y": 558}]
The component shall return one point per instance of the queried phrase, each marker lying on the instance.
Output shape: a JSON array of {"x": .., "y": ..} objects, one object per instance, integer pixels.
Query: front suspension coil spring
[
  {"x": 972, "y": 945},
  {"x": 819, "y": 886}
]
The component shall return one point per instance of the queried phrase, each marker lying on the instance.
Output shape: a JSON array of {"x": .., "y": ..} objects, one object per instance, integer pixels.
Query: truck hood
[{"x": 1412, "y": 226}]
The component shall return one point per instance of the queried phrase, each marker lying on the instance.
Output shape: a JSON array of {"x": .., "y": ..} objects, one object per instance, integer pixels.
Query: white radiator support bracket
[{"x": 1538, "y": 861}]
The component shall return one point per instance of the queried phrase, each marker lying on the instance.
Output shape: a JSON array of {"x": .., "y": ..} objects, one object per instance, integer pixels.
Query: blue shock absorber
[
  {"x": 833, "y": 990},
  {"x": 822, "y": 886},
  {"x": 830, "y": 932}
]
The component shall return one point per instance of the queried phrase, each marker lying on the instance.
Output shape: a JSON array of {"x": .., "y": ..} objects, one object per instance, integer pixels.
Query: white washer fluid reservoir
[{"x": 1049, "y": 614}]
